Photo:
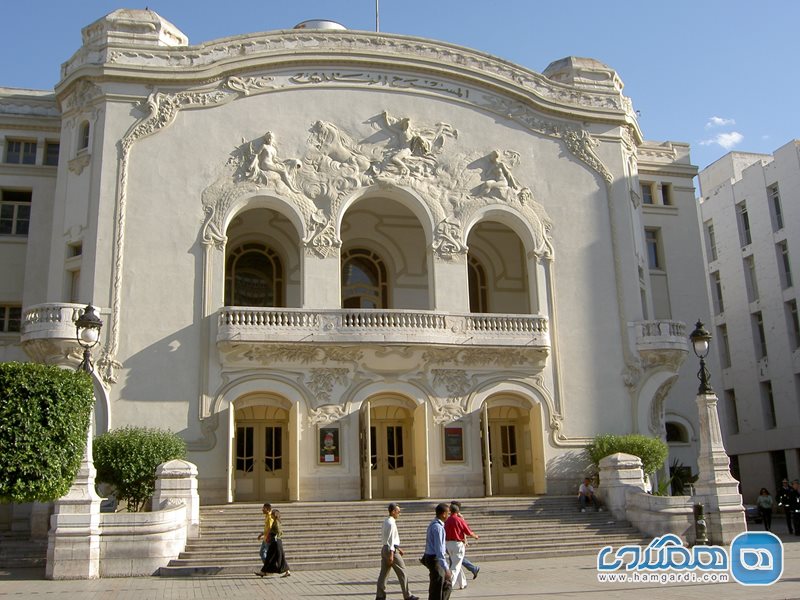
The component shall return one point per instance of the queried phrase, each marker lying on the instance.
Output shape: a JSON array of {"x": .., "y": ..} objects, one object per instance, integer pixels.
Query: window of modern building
[
  {"x": 776, "y": 212},
  {"x": 20, "y": 152},
  {"x": 477, "y": 287},
  {"x": 711, "y": 241},
  {"x": 724, "y": 346},
  {"x": 770, "y": 418},
  {"x": 666, "y": 193},
  {"x": 652, "y": 240},
  {"x": 784, "y": 266},
  {"x": 743, "y": 221},
  {"x": 750, "y": 278},
  {"x": 731, "y": 411},
  {"x": 758, "y": 335},
  {"x": 364, "y": 281},
  {"x": 83, "y": 137},
  {"x": 793, "y": 323},
  {"x": 647, "y": 192},
  {"x": 10, "y": 319},
  {"x": 51, "y": 153},
  {"x": 253, "y": 277},
  {"x": 15, "y": 212},
  {"x": 716, "y": 288}
]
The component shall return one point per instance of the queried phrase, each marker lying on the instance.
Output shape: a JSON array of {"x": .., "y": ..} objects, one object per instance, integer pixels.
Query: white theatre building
[
  {"x": 751, "y": 216},
  {"x": 346, "y": 264}
]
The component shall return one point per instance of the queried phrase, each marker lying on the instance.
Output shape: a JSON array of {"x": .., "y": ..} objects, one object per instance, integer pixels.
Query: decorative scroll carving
[
  {"x": 582, "y": 145},
  {"x": 322, "y": 381},
  {"x": 79, "y": 163},
  {"x": 481, "y": 357},
  {"x": 657, "y": 406},
  {"x": 447, "y": 239},
  {"x": 447, "y": 410},
  {"x": 326, "y": 414},
  {"x": 457, "y": 385},
  {"x": 321, "y": 239}
]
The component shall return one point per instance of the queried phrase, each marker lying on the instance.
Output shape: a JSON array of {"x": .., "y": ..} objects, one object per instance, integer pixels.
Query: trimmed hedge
[
  {"x": 652, "y": 451},
  {"x": 127, "y": 459},
  {"x": 44, "y": 421}
]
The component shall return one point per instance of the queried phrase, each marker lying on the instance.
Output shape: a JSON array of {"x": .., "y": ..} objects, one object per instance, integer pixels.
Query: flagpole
[{"x": 377, "y": 18}]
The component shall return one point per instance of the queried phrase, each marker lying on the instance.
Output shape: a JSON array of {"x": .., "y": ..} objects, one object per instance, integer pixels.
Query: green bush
[
  {"x": 652, "y": 451},
  {"x": 44, "y": 421},
  {"x": 127, "y": 459}
]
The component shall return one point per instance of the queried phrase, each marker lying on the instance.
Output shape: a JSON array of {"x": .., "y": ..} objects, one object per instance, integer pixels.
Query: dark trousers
[
  {"x": 766, "y": 516},
  {"x": 788, "y": 512},
  {"x": 439, "y": 588},
  {"x": 796, "y": 521}
]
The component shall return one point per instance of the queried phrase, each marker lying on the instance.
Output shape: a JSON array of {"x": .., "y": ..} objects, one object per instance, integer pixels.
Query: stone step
[{"x": 510, "y": 528}]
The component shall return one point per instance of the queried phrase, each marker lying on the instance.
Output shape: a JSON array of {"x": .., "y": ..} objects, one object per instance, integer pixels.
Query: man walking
[
  {"x": 782, "y": 498},
  {"x": 472, "y": 568},
  {"x": 456, "y": 532},
  {"x": 435, "y": 558},
  {"x": 794, "y": 506},
  {"x": 392, "y": 556},
  {"x": 266, "y": 510}
]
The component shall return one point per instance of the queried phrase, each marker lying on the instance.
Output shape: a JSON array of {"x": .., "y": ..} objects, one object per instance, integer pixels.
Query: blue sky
[{"x": 721, "y": 75}]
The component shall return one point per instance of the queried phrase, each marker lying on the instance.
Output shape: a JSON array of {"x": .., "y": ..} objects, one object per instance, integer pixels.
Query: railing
[
  {"x": 660, "y": 335},
  {"x": 50, "y": 321},
  {"x": 390, "y": 326}
]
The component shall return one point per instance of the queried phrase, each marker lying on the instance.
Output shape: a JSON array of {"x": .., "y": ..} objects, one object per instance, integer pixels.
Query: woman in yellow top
[
  {"x": 264, "y": 537},
  {"x": 275, "y": 562}
]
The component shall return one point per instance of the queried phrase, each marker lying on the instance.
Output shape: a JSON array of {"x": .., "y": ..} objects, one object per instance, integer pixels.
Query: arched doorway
[
  {"x": 513, "y": 447},
  {"x": 388, "y": 435},
  {"x": 261, "y": 460}
]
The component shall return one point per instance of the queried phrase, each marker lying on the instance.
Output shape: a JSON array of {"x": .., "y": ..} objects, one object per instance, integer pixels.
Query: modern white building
[
  {"x": 345, "y": 265},
  {"x": 751, "y": 214}
]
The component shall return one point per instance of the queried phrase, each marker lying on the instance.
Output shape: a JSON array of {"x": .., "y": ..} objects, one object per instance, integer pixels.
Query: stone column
[
  {"x": 619, "y": 473},
  {"x": 176, "y": 481},
  {"x": 716, "y": 488},
  {"x": 73, "y": 543}
]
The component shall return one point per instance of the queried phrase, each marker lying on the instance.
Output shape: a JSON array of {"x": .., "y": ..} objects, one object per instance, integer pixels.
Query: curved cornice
[{"x": 282, "y": 49}]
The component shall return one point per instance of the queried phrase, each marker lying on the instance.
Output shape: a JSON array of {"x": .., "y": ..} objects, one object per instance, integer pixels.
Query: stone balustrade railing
[
  {"x": 50, "y": 321},
  {"x": 660, "y": 335},
  {"x": 244, "y": 324}
]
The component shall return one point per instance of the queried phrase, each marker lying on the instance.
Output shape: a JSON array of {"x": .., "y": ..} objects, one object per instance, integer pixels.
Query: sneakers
[
  {"x": 475, "y": 572},
  {"x": 583, "y": 510},
  {"x": 260, "y": 573},
  {"x": 286, "y": 573}
]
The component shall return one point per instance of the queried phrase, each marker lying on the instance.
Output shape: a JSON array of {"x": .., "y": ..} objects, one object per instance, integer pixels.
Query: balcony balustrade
[
  {"x": 48, "y": 331},
  {"x": 661, "y": 342},
  {"x": 244, "y": 324}
]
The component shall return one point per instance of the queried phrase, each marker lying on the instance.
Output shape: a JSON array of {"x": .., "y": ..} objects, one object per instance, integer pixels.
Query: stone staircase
[
  {"x": 347, "y": 534},
  {"x": 18, "y": 551}
]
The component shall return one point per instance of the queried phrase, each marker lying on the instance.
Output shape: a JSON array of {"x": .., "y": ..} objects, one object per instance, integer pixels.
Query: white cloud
[
  {"x": 719, "y": 122},
  {"x": 726, "y": 140}
]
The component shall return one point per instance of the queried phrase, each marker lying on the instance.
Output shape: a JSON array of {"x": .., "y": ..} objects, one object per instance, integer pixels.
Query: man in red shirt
[{"x": 456, "y": 532}]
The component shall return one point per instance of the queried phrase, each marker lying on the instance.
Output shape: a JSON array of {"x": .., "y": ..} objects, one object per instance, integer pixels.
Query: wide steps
[{"x": 347, "y": 534}]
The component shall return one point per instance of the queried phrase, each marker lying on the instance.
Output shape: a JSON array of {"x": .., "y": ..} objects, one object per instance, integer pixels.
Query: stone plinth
[{"x": 176, "y": 482}]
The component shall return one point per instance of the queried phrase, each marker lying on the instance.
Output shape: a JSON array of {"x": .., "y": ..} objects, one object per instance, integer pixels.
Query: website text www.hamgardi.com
[{"x": 686, "y": 577}]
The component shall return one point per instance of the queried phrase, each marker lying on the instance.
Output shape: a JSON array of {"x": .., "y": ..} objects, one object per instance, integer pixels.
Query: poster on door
[{"x": 329, "y": 445}]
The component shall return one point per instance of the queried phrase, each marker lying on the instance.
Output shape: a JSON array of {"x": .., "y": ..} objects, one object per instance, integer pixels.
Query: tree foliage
[
  {"x": 44, "y": 421},
  {"x": 652, "y": 451},
  {"x": 127, "y": 459}
]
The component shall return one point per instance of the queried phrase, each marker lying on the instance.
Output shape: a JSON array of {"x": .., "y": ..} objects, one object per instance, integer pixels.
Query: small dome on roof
[
  {"x": 319, "y": 24},
  {"x": 133, "y": 26},
  {"x": 587, "y": 73}
]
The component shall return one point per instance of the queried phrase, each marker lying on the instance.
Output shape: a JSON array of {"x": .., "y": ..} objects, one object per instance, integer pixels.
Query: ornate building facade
[{"x": 345, "y": 264}]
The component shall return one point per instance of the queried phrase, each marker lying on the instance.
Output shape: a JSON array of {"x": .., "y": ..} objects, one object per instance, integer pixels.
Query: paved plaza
[{"x": 574, "y": 577}]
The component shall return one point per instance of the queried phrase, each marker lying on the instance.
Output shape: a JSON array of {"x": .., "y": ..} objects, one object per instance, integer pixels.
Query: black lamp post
[
  {"x": 700, "y": 344},
  {"x": 87, "y": 332}
]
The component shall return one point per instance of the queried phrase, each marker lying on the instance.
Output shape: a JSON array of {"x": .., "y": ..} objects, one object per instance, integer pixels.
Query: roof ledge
[{"x": 133, "y": 27}]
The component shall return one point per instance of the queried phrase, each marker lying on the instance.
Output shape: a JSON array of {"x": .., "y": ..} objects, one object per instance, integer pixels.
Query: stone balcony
[
  {"x": 383, "y": 327},
  {"x": 48, "y": 331},
  {"x": 661, "y": 342}
]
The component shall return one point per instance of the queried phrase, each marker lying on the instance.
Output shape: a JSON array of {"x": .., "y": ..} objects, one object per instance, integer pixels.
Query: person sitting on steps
[{"x": 586, "y": 495}]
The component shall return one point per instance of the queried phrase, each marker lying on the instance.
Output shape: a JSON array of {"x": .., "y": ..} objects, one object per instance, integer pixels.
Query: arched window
[
  {"x": 364, "y": 282},
  {"x": 478, "y": 302},
  {"x": 676, "y": 432},
  {"x": 253, "y": 277}
]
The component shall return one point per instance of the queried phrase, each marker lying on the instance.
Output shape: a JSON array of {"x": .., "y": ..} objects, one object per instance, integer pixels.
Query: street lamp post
[
  {"x": 719, "y": 515},
  {"x": 700, "y": 344},
  {"x": 87, "y": 332}
]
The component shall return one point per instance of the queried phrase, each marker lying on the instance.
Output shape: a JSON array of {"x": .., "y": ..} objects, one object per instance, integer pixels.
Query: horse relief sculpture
[{"x": 399, "y": 152}]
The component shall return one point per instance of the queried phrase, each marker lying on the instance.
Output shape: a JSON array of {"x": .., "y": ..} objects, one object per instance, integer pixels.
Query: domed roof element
[
  {"x": 132, "y": 26},
  {"x": 586, "y": 73}
]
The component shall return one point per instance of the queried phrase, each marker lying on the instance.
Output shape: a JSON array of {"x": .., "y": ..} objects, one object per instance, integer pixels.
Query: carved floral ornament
[{"x": 336, "y": 164}]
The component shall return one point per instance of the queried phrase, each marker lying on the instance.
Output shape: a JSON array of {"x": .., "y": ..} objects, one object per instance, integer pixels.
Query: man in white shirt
[
  {"x": 392, "y": 556},
  {"x": 586, "y": 495}
]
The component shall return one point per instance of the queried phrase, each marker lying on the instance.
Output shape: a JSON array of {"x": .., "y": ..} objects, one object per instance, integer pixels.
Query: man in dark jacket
[
  {"x": 794, "y": 506},
  {"x": 782, "y": 498}
]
